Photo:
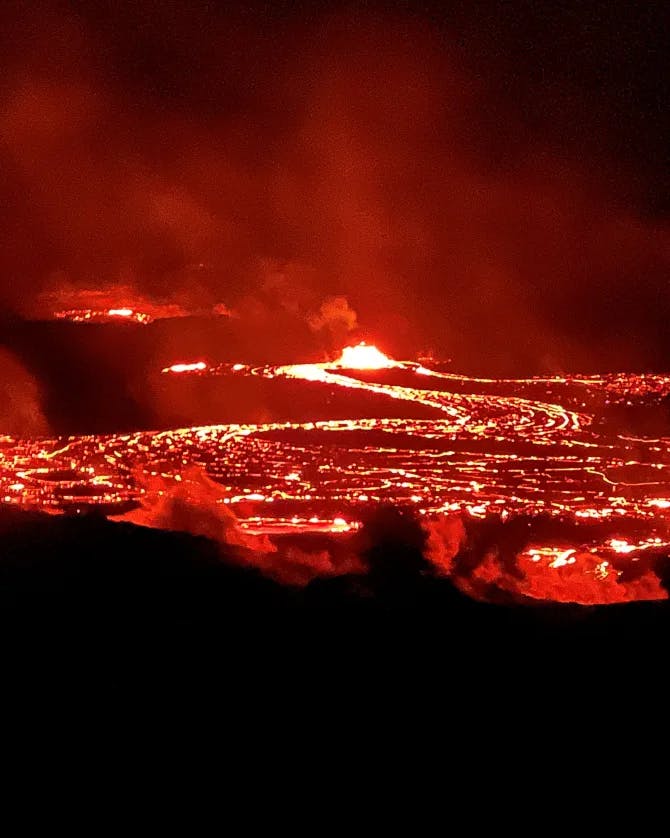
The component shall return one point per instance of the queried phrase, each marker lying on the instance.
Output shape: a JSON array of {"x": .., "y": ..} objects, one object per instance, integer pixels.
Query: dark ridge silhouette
[{"x": 90, "y": 604}]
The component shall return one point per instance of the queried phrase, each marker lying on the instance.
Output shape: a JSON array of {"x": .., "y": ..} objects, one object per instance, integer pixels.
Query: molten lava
[
  {"x": 364, "y": 357},
  {"x": 483, "y": 449},
  {"x": 89, "y": 315},
  {"x": 198, "y": 366}
]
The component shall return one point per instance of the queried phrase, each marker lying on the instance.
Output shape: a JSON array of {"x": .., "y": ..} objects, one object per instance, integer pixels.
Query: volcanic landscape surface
[{"x": 546, "y": 448}]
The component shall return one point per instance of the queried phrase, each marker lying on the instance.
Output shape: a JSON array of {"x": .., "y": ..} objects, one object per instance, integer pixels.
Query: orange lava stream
[
  {"x": 504, "y": 413},
  {"x": 88, "y": 315},
  {"x": 491, "y": 453}
]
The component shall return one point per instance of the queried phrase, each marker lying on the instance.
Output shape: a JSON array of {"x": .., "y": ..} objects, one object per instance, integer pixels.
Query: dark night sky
[{"x": 473, "y": 177}]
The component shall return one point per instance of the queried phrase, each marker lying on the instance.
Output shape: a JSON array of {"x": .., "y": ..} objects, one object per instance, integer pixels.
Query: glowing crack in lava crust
[
  {"x": 536, "y": 450},
  {"x": 108, "y": 315}
]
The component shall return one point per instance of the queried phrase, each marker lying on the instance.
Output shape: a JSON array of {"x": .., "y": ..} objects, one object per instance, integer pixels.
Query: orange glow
[
  {"x": 363, "y": 357},
  {"x": 198, "y": 366},
  {"x": 92, "y": 315},
  {"x": 493, "y": 449},
  {"x": 620, "y": 545},
  {"x": 340, "y": 525}
]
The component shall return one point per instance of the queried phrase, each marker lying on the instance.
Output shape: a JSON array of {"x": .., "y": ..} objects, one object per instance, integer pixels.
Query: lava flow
[
  {"x": 595, "y": 496},
  {"x": 108, "y": 315}
]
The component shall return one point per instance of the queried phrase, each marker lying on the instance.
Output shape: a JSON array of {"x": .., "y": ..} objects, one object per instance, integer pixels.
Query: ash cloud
[{"x": 454, "y": 185}]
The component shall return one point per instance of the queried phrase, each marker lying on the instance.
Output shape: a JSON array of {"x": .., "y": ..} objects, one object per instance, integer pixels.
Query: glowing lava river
[{"x": 535, "y": 448}]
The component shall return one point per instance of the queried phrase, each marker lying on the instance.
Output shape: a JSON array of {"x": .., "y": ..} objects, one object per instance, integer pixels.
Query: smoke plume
[
  {"x": 194, "y": 503},
  {"x": 335, "y": 317},
  {"x": 412, "y": 164},
  {"x": 395, "y": 551},
  {"x": 494, "y": 572}
]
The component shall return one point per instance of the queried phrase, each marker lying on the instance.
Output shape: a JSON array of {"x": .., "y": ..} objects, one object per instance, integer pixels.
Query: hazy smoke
[
  {"x": 336, "y": 317},
  {"x": 394, "y": 549},
  {"x": 582, "y": 582},
  {"x": 61, "y": 295},
  {"x": 20, "y": 399},
  {"x": 194, "y": 504},
  {"x": 191, "y": 503},
  {"x": 445, "y": 536},
  {"x": 442, "y": 193},
  {"x": 496, "y": 574}
]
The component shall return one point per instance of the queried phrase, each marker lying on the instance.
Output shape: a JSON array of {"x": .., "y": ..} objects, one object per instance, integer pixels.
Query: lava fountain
[{"x": 364, "y": 357}]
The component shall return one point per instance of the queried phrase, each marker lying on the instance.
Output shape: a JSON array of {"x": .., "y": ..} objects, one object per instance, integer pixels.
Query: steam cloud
[{"x": 433, "y": 190}]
